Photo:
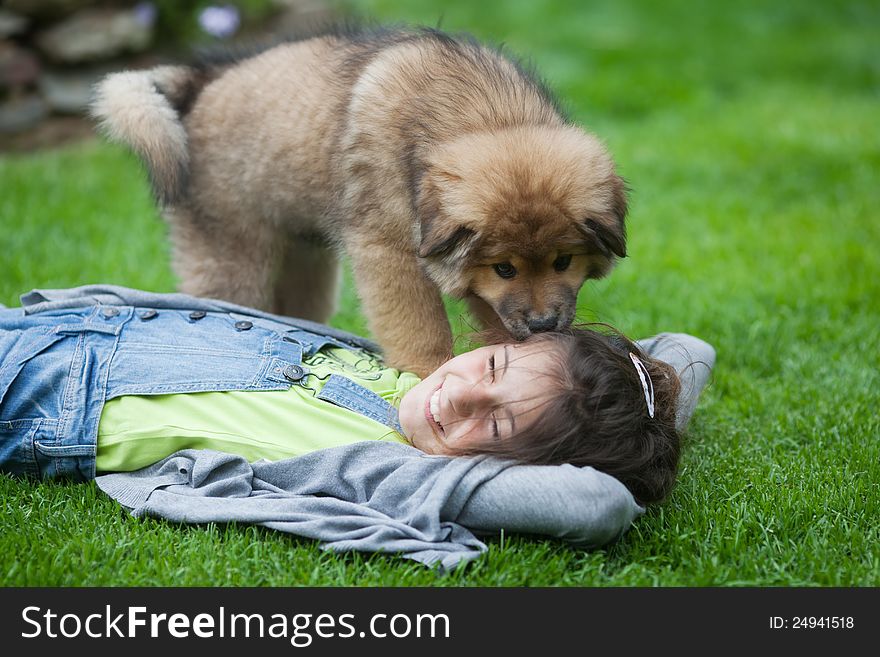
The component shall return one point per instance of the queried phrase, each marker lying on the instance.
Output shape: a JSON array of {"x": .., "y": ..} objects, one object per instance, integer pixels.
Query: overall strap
[{"x": 344, "y": 392}]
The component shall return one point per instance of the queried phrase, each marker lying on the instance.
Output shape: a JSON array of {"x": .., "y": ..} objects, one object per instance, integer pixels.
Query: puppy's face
[
  {"x": 521, "y": 218},
  {"x": 535, "y": 291}
]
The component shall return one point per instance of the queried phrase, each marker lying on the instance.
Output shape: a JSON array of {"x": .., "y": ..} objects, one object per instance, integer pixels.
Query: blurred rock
[
  {"x": 20, "y": 114},
  {"x": 18, "y": 67},
  {"x": 96, "y": 34},
  {"x": 68, "y": 92},
  {"x": 11, "y": 24},
  {"x": 47, "y": 9}
]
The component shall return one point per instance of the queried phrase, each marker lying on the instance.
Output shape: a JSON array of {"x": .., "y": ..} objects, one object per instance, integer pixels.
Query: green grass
[{"x": 748, "y": 133}]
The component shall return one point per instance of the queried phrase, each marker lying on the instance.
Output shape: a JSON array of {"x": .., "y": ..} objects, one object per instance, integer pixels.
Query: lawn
[{"x": 748, "y": 133}]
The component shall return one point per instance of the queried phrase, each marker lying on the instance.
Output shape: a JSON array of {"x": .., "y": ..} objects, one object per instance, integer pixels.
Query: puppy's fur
[{"x": 436, "y": 164}]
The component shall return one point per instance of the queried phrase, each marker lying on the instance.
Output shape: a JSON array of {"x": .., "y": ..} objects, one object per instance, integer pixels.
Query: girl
[{"x": 103, "y": 379}]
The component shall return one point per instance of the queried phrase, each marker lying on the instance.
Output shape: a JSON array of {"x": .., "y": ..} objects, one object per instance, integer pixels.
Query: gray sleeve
[
  {"x": 692, "y": 358},
  {"x": 580, "y": 505}
]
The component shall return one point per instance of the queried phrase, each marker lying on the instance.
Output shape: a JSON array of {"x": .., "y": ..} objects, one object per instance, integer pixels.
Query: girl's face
[{"x": 478, "y": 397}]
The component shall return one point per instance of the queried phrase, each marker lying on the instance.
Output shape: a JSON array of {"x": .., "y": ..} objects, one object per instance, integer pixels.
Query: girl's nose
[{"x": 468, "y": 398}]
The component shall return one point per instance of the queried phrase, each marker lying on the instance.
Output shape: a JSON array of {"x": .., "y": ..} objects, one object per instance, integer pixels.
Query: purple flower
[
  {"x": 145, "y": 13},
  {"x": 219, "y": 21}
]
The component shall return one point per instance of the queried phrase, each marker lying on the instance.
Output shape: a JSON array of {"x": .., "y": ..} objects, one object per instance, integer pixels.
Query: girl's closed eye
[{"x": 492, "y": 366}]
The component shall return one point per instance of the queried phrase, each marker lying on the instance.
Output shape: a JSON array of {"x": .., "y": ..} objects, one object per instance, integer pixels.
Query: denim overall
[{"x": 60, "y": 364}]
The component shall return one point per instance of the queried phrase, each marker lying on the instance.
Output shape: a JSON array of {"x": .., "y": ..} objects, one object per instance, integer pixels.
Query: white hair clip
[{"x": 647, "y": 385}]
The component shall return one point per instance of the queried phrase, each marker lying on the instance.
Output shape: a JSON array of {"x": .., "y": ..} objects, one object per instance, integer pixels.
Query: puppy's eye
[
  {"x": 562, "y": 262},
  {"x": 505, "y": 270}
]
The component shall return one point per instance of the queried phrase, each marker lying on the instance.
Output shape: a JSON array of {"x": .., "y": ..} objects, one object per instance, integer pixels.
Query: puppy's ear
[
  {"x": 440, "y": 234},
  {"x": 610, "y": 239},
  {"x": 609, "y": 233},
  {"x": 441, "y": 243},
  {"x": 619, "y": 206}
]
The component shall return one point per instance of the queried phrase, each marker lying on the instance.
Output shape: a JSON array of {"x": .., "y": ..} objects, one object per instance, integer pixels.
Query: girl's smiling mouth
[{"x": 432, "y": 411}]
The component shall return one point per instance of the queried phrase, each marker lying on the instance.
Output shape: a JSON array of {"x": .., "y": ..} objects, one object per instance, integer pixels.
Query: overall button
[
  {"x": 148, "y": 314},
  {"x": 294, "y": 372},
  {"x": 243, "y": 325},
  {"x": 197, "y": 315},
  {"x": 110, "y": 312}
]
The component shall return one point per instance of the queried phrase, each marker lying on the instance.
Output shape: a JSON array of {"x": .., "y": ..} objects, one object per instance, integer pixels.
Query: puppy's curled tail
[{"x": 143, "y": 110}]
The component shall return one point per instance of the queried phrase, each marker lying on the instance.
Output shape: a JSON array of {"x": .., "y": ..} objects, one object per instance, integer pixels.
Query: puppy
[{"x": 437, "y": 165}]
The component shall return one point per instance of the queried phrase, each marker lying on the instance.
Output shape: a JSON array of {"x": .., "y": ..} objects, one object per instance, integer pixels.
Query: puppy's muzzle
[
  {"x": 543, "y": 324},
  {"x": 520, "y": 328}
]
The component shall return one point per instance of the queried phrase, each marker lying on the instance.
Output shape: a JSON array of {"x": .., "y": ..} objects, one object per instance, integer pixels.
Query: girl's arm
[
  {"x": 580, "y": 505},
  {"x": 692, "y": 358}
]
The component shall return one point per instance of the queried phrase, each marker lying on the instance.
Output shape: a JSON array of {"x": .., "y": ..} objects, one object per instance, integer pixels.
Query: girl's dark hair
[{"x": 598, "y": 415}]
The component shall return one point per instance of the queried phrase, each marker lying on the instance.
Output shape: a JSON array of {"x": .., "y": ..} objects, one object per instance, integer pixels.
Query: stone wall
[{"x": 53, "y": 51}]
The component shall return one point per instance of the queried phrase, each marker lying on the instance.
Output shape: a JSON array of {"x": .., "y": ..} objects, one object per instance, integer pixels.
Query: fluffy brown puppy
[{"x": 436, "y": 164}]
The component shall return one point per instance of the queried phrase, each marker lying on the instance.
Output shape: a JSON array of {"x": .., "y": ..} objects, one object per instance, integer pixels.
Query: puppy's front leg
[{"x": 403, "y": 307}]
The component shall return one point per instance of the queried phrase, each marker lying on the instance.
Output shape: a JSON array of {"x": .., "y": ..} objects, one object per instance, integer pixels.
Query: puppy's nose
[{"x": 542, "y": 324}]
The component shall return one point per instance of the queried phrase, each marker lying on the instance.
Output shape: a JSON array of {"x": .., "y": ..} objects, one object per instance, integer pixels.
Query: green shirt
[{"x": 136, "y": 431}]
